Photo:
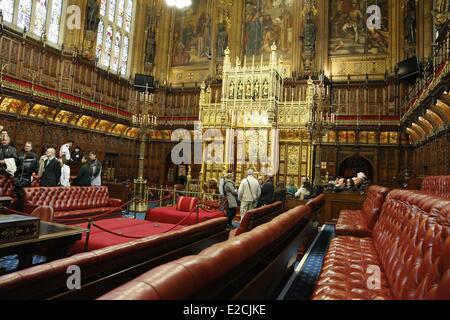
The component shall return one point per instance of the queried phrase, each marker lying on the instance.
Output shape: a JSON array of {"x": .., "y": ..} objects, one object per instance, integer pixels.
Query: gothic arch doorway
[{"x": 351, "y": 166}]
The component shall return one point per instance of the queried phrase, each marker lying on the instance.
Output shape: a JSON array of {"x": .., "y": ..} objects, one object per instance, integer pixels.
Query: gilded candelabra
[
  {"x": 323, "y": 118},
  {"x": 145, "y": 122}
]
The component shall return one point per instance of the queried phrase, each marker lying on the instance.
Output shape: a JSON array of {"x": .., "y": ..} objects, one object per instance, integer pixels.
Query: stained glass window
[
  {"x": 128, "y": 15},
  {"x": 113, "y": 34},
  {"x": 108, "y": 44},
  {"x": 38, "y": 17},
  {"x": 7, "y": 7},
  {"x": 112, "y": 10},
  {"x": 55, "y": 21},
  {"x": 102, "y": 7},
  {"x": 116, "y": 52},
  {"x": 124, "y": 61},
  {"x": 24, "y": 15},
  {"x": 99, "y": 40},
  {"x": 120, "y": 12}
]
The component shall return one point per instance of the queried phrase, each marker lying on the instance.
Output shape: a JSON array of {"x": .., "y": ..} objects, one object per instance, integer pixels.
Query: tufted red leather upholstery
[
  {"x": 6, "y": 186},
  {"x": 39, "y": 280},
  {"x": 72, "y": 201},
  {"x": 256, "y": 217},
  {"x": 410, "y": 246},
  {"x": 186, "y": 277},
  {"x": 437, "y": 186},
  {"x": 359, "y": 223}
]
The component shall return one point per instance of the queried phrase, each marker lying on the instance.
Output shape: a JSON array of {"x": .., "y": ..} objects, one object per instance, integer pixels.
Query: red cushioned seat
[
  {"x": 437, "y": 186},
  {"x": 361, "y": 222},
  {"x": 172, "y": 215},
  {"x": 345, "y": 275},
  {"x": 351, "y": 223},
  {"x": 410, "y": 246}
]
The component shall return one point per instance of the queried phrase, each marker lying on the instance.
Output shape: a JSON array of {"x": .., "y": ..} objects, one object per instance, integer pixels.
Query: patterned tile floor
[{"x": 303, "y": 285}]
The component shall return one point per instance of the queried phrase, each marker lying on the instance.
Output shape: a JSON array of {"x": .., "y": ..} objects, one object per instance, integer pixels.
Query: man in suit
[
  {"x": 52, "y": 170},
  {"x": 267, "y": 192}
]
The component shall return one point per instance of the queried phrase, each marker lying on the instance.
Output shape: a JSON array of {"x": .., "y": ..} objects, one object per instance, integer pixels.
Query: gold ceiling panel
[
  {"x": 104, "y": 125},
  {"x": 119, "y": 129},
  {"x": 10, "y": 105},
  {"x": 64, "y": 116},
  {"x": 86, "y": 122},
  {"x": 39, "y": 111}
]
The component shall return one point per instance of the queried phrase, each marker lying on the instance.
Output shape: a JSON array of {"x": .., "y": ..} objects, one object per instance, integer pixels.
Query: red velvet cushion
[
  {"x": 186, "y": 204},
  {"x": 172, "y": 215}
]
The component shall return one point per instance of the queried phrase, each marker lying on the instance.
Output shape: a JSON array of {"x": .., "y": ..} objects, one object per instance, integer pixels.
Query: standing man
[
  {"x": 64, "y": 151},
  {"x": 52, "y": 170},
  {"x": 267, "y": 192},
  {"x": 76, "y": 155},
  {"x": 8, "y": 156},
  {"x": 28, "y": 164},
  {"x": 96, "y": 169},
  {"x": 248, "y": 193}
]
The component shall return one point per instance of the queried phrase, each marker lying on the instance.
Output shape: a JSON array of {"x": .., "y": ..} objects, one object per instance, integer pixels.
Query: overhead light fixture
[{"x": 180, "y": 4}]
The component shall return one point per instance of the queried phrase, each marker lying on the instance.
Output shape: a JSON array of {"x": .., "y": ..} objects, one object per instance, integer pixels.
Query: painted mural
[
  {"x": 192, "y": 36},
  {"x": 350, "y": 31},
  {"x": 268, "y": 22}
]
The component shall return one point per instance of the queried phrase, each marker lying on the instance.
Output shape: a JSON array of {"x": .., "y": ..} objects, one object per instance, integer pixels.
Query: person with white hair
[
  {"x": 249, "y": 193},
  {"x": 52, "y": 170},
  {"x": 8, "y": 156},
  {"x": 360, "y": 181}
]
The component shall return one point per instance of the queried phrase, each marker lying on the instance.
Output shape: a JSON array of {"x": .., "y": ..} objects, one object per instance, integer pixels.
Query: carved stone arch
[
  {"x": 413, "y": 135},
  {"x": 442, "y": 109},
  {"x": 433, "y": 118},
  {"x": 418, "y": 130},
  {"x": 426, "y": 126}
]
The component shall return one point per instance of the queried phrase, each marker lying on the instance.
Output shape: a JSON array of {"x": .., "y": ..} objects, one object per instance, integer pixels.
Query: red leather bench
[
  {"x": 316, "y": 203},
  {"x": 250, "y": 266},
  {"x": 105, "y": 269},
  {"x": 71, "y": 202},
  {"x": 359, "y": 223},
  {"x": 257, "y": 217},
  {"x": 184, "y": 213},
  {"x": 409, "y": 251},
  {"x": 437, "y": 186}
]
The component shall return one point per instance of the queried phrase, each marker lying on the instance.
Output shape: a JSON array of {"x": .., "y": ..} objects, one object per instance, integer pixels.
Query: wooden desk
[
  {"x": 335, "y": 202},
  {"x": 118, "y": 191},
  {"x": 53, "y": 242}
]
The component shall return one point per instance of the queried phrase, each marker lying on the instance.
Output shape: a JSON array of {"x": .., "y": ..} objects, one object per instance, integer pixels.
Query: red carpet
[{"x": 126, "y": 226}]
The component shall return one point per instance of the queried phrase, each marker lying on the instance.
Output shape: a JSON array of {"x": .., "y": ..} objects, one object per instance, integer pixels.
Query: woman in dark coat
[{"x": 230, "y": 192}]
